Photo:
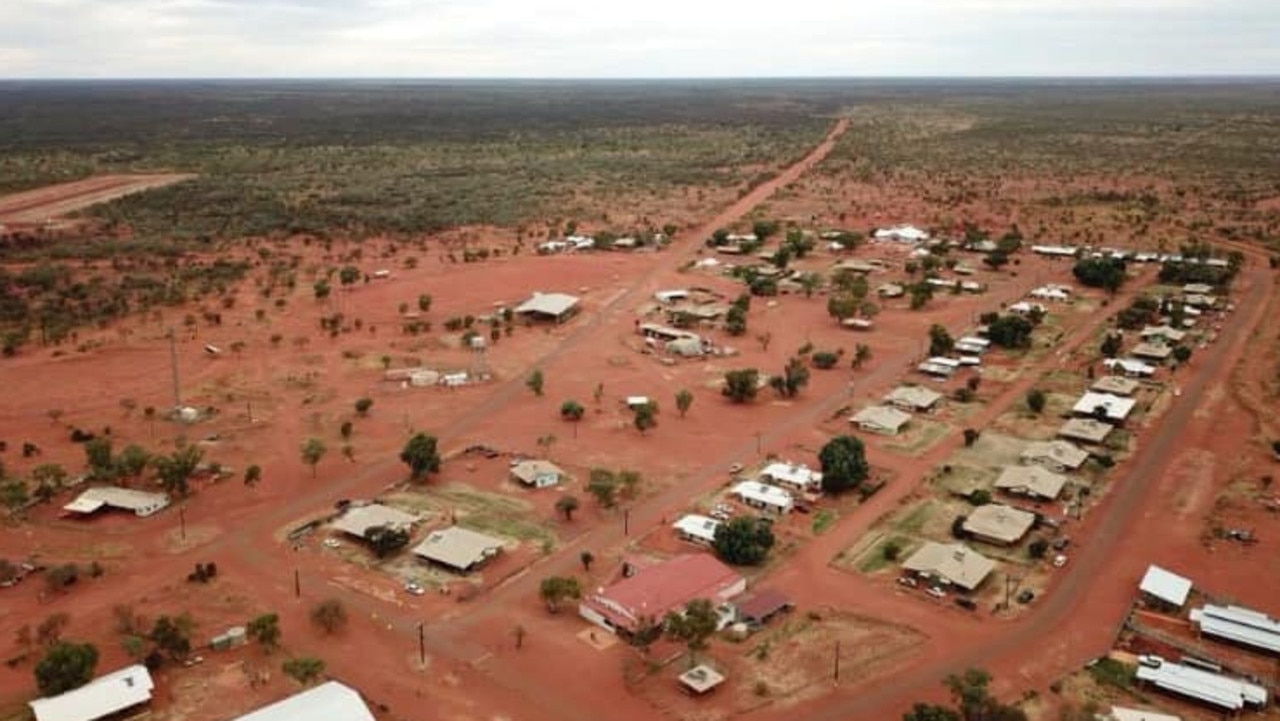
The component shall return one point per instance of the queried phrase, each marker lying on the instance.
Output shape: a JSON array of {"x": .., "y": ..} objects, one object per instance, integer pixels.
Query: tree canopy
[
  {"x": 844, "y": 464},
  {"x": 66, "y": 666},
  {"x": 421, "y": 456},
  {"x": 743, "y": 541},
  {"x": 741, "y": 385}
]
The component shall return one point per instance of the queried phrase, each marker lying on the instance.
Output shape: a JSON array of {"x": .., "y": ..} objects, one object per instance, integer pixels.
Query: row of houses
[{"x": 456, "y": 548}]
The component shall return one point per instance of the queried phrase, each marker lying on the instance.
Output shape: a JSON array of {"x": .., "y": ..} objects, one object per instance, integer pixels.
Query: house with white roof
[
  {"x": 1120, "y": 713},
  {"x": 1059, "y": 456},
  {"x": 1031, "y": 481},
  {"x": 913, "y": 398},
  {"x": 330, "y": 701},
  {"x": 1116, "y": 408},
  {"x": 795, "y": 476},
  {"x": 998, "y": 524},
  {"x": 953, "y": 564},
  {"x": 763, "y": 496},
  {"x": 696, "y": 529},
  {"x": 902, "y": 234},
  {"x": 1164, "y": 587},
  {"x": 1058, "y": 293},
  {"x": 556, "y": 307},
  {"x": 140, "y": 503},
  {"x": 1239, "y": 625},
  {"x": 102, "y": 697},
  {"x": 1060, "y": 251},
  {"x": 1130, "y": 367}
]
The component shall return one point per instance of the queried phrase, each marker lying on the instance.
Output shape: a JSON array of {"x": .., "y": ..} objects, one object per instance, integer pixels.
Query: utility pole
[
  {"x": 297, "y": 584},
  {"x": 626, "y": 521},
  {"x": 836, "y": 670},
  {"x": 173, "y": 363},
  {"x": 182, "y": 521},
  {"x": 422, "y": 645}
]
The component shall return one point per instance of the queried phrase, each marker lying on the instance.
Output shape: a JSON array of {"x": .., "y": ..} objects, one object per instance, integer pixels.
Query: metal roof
[
  {"x": 359, "y": 519},
  {"x": 1165, "y": 585},
  {"x": 458, "y": 547},
  {"x": 140, "y": 502},
  {"x": 1060, "y": 453},
  {"x": 1031, "y": 480},
  {"x": 792, "y": 474},
  {"x": 763, "y": 493},
  {"x": 331, "y": 701},
  {"x": 529, "y": 470},
  {"x": 1116, "y": 385},
  {"x": 1239, "y": 624},
  {"x": 1118, "y": 408},
  {"x": 697, "y": 526},
  {"x": 1088, "y": 430},
  {"x": 954, "y": 562},
  {"x": 553, "y": 304},
  {"x": 890, "y": 419},
  {"x": 1223, "y": 691},
  {"x": 100, "y": 697},
  {"x": 1001, "y": 523},
  {"x": 701, "y": 679},
  {"x": 917, "y": 397},
  {"x": 1120, "y": 713}
]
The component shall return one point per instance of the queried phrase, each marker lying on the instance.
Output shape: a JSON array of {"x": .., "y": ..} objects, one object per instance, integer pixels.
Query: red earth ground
[
  {"x": 40, "y": 206},
  {"x": 272, "y": 398}
]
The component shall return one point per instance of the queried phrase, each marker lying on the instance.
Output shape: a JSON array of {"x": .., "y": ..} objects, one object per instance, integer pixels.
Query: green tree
[
  {"x": 421, "y": 456},
  {"x": 743, "y": 541},
  {"x": 321, "y": 289},
  {"x": 1038, "y": 548},
  {"x": 940, "y": 341},
  {"x": 741, "y": 385},
  {"x": 265, "y": 630},
  {"x": 385, "y": 540},
  {"x": 66, "y": 666},
  {"x": 424, "y": 302},
  {"x": 842, "y": 306},
  {"x": 132, "y": 461},
  {"x": 303, "y": 669},
  {"x": 684, "y": 401},
  {"x": 603, "y": 484},
  {"x": 795, "y": 375},
  {"x": 534, "y": 382},
  {"x": 1181, "y": 353},
  {"x": 586, "y": 558},
  {"x": 1107, "y": 273},
  {"x": 329, "y": 615},
  {"x": 844, "y": 464},
  {"x": 313, "y": 449},
  {"x": 349, "y": 275},
  {"x": 49, "y": 478},
  {"x": 930, "y": 712},
  {"x": 1036, "y": 400},
  {"x": 1010, "y": 331},
  {"x": 13, "y": 495},
  {"x": 861, "y": 354},
  {"x": 555, "y": 590},
  {"x": 693, "y": 626},
  {"x": 172, "y": 636},
  {"x": 1111, "y": 345},
  {"x": 252, "y": 475},
  {"x": 735, "y": 321},
  {"x": 572, "y": 410},
  {"x": 98, "y": 457},
  {"x": 566, "y": 505},
  {"x": 921, "y": 293},
  {"x": 175, "y": 470},
  {"x": 645, "y": 416},
  {"x": 363, "y": 405}
]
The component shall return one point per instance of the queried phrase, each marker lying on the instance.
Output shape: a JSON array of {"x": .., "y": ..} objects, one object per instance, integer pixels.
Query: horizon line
[{"x": 639, "y": 78}]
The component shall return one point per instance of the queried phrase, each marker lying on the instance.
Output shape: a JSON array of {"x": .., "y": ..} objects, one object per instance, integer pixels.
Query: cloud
[{"x": 626, "y": 38}]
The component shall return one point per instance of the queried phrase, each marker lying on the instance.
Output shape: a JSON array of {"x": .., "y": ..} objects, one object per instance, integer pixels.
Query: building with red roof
[{"x": 654, "y": 591}]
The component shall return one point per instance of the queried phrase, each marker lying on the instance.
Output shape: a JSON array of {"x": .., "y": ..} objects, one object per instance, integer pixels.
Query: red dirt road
[{"x": 40, "y": 205}]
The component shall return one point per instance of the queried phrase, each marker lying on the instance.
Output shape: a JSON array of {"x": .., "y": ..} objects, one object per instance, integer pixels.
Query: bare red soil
[{"x": 43, "y": 204}]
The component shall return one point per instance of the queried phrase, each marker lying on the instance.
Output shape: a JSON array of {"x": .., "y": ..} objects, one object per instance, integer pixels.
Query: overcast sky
[{"x": 635, "y": 38}]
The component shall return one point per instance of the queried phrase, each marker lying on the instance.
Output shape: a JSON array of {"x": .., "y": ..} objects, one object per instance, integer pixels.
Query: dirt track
[{"x": 43, "y": 204}]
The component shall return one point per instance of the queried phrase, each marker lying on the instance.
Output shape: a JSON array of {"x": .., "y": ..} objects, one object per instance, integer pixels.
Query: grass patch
[
  {"x": 824, "y": 520},
  {"x": 914, "y": 521},
  {"x": 880, "y": 558}
]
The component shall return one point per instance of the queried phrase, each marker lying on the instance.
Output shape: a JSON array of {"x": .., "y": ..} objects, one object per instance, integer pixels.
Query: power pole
[
  {"x": 297, "y": 584},
  {"x": 626, "y": 521},
  {"x": 836, "y": 671},
  {"x": 173, "y": 363},
  {"x": 182, "y": 521},
  {"x": 422, "y": 645}
]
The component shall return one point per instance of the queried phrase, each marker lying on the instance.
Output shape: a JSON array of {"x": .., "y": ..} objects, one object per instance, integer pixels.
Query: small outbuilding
[
  {"x": 1162, "y": 334},
  {"x": 1224, "y": 692},
  {"x": 701, "y": 679},
  {"x": 881, "y": 419},
  {"x": 1130, "y": 367},
  {"x": 1120, "y": 713},
  {"x": 794, "y": 476},
  {"x": 1152, "y": 351},
  {"x": 762, "y": 606},
  {"x": 103, "y": 697},
  {"x": 459, "y": 549},
  {"x": 554, "y": 307},
  {"x": 536, "y": 473},
  {"x": 1164, "y": 587},
  {"x": 1239, "y": 625},
  {"x": 999, "y": 524}
]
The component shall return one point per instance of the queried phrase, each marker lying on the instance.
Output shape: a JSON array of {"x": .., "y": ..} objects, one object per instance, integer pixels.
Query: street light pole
[{"x": 422, "y": 644}]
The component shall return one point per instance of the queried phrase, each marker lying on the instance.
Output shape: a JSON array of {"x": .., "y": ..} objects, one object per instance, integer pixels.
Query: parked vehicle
[
  {"x": 936, "y": 592},
  {"x": 966, "y": 603},
  {"x": 1059, "y": 561},
  {"x": 1026, "y": 597},
  {"x": 414, "y": 589},
  {"x": 907, "y": 581}
]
